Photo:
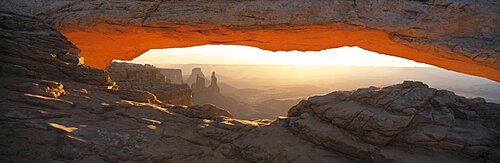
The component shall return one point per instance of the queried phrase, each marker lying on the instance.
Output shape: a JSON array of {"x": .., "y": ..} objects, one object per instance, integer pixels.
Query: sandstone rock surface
[
  {"x": 372, "y": 123},
  {"x": 207, "y": 111},
  {"x": 459, "y": 35}
]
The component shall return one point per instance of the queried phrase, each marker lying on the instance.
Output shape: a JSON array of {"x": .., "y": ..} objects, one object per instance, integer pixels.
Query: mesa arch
[{"x": 459, "y": 36}]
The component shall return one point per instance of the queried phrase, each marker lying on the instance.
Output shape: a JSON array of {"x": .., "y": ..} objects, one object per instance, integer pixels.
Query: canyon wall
[
  {"x": 457, "y": 35},
  {"x": 151, "y": 79},
  {"x": 121, "y": 71},
  {"x": 173, "y": 75},
  {"x": 193, "y": 77}
]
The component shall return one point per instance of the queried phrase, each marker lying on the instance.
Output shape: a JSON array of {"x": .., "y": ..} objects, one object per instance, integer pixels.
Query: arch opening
[{"x": 256, "y": 83}]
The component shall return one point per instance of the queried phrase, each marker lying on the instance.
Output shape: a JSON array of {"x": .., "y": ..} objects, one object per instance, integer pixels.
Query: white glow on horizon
[{"x": 235, "y": 54}]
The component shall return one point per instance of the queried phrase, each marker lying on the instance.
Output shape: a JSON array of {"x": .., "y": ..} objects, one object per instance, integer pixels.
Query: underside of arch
[
  {"x": 462, "y": 36},
  {"x": 125, "y": 43}
]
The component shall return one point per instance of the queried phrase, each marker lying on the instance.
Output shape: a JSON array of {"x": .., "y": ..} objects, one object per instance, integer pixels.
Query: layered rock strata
[
  {"x": 401, "y": 123},
  {"x": 122, "y": 71},
  {"x": 150, "y": 78}
]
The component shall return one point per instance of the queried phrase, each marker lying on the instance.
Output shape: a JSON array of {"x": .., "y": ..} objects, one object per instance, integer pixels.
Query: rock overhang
[{"x": 456, "y": 35}]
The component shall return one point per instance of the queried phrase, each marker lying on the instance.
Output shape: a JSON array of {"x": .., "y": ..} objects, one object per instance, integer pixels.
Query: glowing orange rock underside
[{"x": 110, "y": 42}]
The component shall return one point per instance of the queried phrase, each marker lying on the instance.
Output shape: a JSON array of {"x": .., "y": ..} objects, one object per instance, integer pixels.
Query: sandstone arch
[{"x": 457, "y": 35}]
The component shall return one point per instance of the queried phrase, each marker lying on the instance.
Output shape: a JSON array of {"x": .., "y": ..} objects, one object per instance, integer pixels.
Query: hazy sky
[{"x": 235, "y": 54}]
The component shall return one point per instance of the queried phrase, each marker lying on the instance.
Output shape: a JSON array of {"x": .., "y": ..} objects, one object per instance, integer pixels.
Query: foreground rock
[
  {"x": 373, "y": 123},
  {"x": 54, "y": 109}
]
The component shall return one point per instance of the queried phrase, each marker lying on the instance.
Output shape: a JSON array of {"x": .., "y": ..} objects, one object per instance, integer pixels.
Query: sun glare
[{"x": 236, "y": 54}]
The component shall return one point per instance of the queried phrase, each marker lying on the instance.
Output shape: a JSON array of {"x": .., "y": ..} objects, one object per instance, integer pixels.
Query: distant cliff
[
  {"x": 195, "y": 72},
  {"x": 210, "y": 94},
  {"x": 151, "y": 79},
  {"x": 173, "y": 76}
]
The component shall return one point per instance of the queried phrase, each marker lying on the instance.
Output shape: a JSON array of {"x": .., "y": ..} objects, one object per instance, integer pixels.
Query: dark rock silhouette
[
  {"x": 213, "y": 87},
  {"x": 195, "y": 74},
  {"x": 199, "y": 85}
]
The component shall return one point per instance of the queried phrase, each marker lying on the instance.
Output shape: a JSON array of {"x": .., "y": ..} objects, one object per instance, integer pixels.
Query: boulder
[
  {"x": 399, "y": 116},
  {"x": 206, "y": 111}
]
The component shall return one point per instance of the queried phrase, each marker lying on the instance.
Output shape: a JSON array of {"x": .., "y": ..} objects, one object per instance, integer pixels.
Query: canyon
[
  {"x": 57, "y": 108},
  {"x": 211, "y": 94},
  {"x": 154, "y": 80}
]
